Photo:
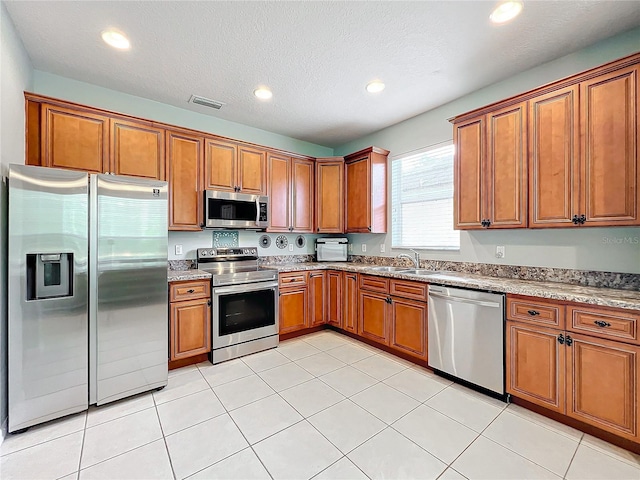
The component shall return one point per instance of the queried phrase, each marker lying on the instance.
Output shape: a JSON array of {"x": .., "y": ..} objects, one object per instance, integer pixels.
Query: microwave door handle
[{"x": 257, "y": 210}]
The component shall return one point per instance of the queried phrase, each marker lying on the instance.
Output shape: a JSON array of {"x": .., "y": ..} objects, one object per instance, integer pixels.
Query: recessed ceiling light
[
  {"x": 375, "y": 87},
  {"x": 116, "y": 39},
  {"x": 263, "y": 93},
  {"x": 506, "y": 11}
]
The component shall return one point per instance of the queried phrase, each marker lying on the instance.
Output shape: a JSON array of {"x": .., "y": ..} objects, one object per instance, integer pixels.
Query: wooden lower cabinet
[
  {"x": 409, "y": 327},
  {"x": 374, "y": 317},
  {"x": 189, "y": 320},
  {"x": 334, "y": 304},
  {"x": 317, "y": 304},
  {"x": 602, "y": 383},
  {"x": 535, "y": 365},
  {"x": 293, "y": 309},
  {"x": 350, "y": 302}
]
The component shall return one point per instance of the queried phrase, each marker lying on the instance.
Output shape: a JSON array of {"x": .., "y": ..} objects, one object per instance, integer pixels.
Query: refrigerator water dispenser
[{"x": 49, "y": 275}]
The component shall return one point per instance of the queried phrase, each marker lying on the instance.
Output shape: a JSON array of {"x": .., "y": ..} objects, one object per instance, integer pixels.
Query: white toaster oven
[{"x": 332, "y": 249}]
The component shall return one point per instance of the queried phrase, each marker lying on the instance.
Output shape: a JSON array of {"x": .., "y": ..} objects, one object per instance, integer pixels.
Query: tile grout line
[
  {"x": 164, "y": 437},
  {"x": 566, "y": 472},
  {"x": 84, "y": 436}
]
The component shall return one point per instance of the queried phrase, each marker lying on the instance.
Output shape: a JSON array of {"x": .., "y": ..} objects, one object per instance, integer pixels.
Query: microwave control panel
[{"x": 262, "y": 217}]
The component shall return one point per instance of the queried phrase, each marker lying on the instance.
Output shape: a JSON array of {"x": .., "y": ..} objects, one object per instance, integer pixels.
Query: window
[{"x": 422, "y": 200}]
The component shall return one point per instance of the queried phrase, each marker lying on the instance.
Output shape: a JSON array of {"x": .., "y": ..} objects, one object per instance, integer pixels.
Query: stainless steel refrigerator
[{"x": 87, "y": 291}]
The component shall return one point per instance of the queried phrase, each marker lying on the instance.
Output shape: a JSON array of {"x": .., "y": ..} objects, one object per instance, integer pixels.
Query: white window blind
[{"x": 422, "y": 200}]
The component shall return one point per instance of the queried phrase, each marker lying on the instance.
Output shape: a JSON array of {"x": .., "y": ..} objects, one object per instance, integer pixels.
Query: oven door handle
[{"x": 245, "y": 287}]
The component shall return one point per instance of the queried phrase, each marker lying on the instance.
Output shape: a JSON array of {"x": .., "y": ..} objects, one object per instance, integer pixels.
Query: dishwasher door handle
[{"x": 465, "y": 300}]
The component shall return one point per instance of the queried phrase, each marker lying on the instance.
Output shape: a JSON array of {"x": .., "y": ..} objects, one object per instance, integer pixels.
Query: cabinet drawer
[
  {"x": 404, "y": 289},
  {"x": 605, "y": 323},
  {"x": 293, "y": 279},
  {"x": 533, "y": 310},
  {"x": 374, "y": 284},
  {"x": 190, "y": 290}
]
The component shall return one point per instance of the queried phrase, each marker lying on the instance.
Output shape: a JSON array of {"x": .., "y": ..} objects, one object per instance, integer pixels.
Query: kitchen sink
[
  {"x": 419, "y": 271},
  {"x": 388, "y": 269}
]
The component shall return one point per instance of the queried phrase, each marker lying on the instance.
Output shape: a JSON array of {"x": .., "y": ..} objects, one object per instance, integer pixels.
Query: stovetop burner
[{"x": 233, "y": 265}]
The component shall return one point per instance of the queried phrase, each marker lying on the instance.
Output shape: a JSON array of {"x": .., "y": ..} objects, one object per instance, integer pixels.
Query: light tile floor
[{"x": 322, "y": 406}]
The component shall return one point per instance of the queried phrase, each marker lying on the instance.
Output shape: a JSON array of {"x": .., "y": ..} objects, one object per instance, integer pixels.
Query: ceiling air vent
[{"x": 206, "y": 102}]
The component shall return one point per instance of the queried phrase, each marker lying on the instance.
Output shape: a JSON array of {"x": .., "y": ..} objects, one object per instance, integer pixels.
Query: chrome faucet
[{"x": 415, "y": 259}]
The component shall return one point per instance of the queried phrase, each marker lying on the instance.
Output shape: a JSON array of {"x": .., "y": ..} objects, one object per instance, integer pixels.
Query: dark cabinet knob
[
  {"x": 209, "y": 303},
  {"x": 202, "y": 225},
  {"x": 582, "y": 219},
  {"x": 533, "y": 313},
  {"x": 602, "y": 323},
  {"x": 568, "y": 341},
  {"x": 369, "y": 228},
  {"x": 561, "y": 339}
]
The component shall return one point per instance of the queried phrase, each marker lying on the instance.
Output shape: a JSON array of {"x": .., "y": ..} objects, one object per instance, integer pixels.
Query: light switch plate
[
  {"x": 382, "y": 249},
  {"x": 364, "y": 247},
  {"x": 291, "y": 247},
  {"x": 178, "y": 249}
]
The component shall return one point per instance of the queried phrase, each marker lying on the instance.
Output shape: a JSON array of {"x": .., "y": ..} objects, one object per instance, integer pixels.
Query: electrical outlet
[
  {"x": 351, "y": 248},
  {"x": 291, "y": 247},
  {"x": 364, "y": 247},
  {"x": 500, "y": 251},
  {"x": 178, "y": 249},
  {"x": 382, "y": 248}
]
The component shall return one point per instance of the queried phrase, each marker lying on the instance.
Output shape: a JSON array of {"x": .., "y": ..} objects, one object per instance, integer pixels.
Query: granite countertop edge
[{"x": 604, "y": 297}]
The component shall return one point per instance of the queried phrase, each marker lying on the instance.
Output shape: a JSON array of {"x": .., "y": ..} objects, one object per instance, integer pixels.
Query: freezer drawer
[{"x": 466, "y": 335}]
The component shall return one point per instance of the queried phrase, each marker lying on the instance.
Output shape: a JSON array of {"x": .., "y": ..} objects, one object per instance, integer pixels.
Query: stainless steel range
[{"x": 245, "y": 302}]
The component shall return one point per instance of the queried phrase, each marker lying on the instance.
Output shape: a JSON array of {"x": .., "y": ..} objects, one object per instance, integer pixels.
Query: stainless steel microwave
[{"x": 235, "y": 210}]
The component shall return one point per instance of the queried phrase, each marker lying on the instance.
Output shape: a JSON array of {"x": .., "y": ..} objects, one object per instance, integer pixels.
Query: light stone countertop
[
  {"x": 193, "y": 274},
  {"x": 606, "y": 297}
]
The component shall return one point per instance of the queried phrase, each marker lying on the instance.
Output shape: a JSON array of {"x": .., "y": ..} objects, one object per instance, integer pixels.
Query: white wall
[
  {"x": 604, "y": 249},
  {"x": 16, "y": 77},
  {"x": 80, "y": 92}
]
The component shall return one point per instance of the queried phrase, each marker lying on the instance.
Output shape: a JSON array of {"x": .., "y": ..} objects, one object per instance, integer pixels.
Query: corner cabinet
[
  {"x": 490, "y": 170},
  {"x": 329, "y": 197},
  {"x": 366, "y": 191}
]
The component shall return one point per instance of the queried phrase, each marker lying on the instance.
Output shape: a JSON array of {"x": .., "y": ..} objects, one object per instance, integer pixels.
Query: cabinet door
[
  {"x": 74, "y": 139},
  {"x": 330, "y": 196},
  {"x": 358, "y": 195},
  {"x": 279, "y": 193},
  {"x": 190, "y": 328},
  {"x": 251, "y": 172},
  {"x": 220, "y": 165},
  {"x": 334, "y": 298},
  {"x": 317, "y": 287},
  {"x": 554, "y": 166},
  {"x": 536, "y": 365},
  {"x": 350, "y": 302},
  {"x": 602, "y": 384},
  {"x": 293, "y": 308},
  {"x": 469, "y": 188},
  {"x": 137, "y": 149},
  {"x": 409, "y": 327},
  {"x": 302, "y": 195},
  {"x": 374, "y": 317},
  {"x": 506, "y": 167},
  {"x": 184, "y": 167},
  {"x": 609, "y": 170}
]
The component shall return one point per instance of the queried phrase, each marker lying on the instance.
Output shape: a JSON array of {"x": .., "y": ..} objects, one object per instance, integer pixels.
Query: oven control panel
[{"x": 227, "y": 252}]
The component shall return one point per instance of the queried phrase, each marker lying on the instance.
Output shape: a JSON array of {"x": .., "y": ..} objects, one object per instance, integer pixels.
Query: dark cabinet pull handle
[
  {"x": 191, "y": 290},
  {"x": 202, "y": 225},
  {"x": 582, "y": 219},
  {"x": 602, "y": 323},
  {"x": 568, "y": 340},
  {"x": 369, "y": 228},
  {"x": 561, "y": 339},
  {"x": 575, "y": 220},
  {"x": 209, "y": 303},
  {"x": 533, "y": 313}
]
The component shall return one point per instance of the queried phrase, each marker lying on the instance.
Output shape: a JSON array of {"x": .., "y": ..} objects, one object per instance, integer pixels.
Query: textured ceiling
[{"x": 315, "y": 56}]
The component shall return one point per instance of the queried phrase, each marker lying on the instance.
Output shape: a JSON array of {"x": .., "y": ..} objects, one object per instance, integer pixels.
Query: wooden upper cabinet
[
  {"x": 137, "y": 149},
  {"x": 506, "y": 199},
  {"x": 220, "y": 165},
  {"x": 609, "y": 154},
  {"x": 554, "y": 168},
  {"x": 302, "y": 176},
  {"x": 536, "y": 365},
  {"x": 366, "y": 191},
  {"x": 329, "y": 198},
  {"x": 279, "y": 192},
  {"x": 468, "y": 174},
  {"x": 184, "y": 174},
  {"x": 602, "y": 384},
  {"x": 251, "y": 176},
  {"x": 72, "y": 139}
]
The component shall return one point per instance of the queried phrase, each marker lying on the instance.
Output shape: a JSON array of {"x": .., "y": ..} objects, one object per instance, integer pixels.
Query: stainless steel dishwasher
[{"x": 466, "y": 336}]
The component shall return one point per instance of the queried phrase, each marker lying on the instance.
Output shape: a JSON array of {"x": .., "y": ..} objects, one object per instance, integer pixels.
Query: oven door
[{"x": 244, "y": 312}]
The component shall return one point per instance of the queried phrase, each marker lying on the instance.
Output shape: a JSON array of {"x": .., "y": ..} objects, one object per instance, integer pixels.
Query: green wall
[{"x": 73, "y": 90}]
